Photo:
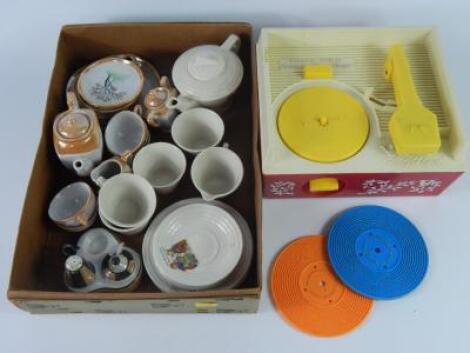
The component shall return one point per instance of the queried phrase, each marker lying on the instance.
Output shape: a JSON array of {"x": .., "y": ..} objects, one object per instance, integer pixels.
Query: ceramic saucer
[
  {"x": 151, "y": 79},
  {"x": 178, "y": 262}
]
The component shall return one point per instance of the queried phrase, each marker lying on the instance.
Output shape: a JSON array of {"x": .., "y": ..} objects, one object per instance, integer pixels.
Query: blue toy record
[{"x": 377, "y": 252}]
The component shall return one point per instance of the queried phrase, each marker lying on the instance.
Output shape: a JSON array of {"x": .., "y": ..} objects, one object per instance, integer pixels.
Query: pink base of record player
[{"x": 360, "y": 184}]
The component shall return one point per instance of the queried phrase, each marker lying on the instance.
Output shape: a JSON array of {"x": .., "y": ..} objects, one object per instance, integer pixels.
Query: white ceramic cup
[
  {"x": 196, "y": 129},
  {"x": 73, "y": 208},
  {"x": 126, "y": 133},
  {"x": 127, "y": 202},
  {"x": 161, "y": 164},
  {"x": 216, "y": 172}
]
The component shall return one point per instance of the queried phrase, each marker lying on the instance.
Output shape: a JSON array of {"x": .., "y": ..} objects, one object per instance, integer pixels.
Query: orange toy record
[{"x": 308, "y": 294}]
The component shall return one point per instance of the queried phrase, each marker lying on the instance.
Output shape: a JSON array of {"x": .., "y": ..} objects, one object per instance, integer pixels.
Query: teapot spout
[
  {"x": 83, "y": 167},
  {"x": 181, "y": 103}
]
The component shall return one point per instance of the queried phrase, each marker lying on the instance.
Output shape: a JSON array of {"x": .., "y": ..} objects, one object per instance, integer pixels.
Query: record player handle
[{"x": 413, "y": 128}]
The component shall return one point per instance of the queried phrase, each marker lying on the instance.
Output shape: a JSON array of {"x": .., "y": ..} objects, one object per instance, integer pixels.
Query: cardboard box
[
  {"x": 357, "y": 56},
  {"x": 36, "y": 282}
]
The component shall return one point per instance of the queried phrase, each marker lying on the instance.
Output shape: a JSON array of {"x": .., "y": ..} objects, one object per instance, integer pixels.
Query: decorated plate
[
  {"x": 110, "y": 84},
  {"x": 194, "y": 245}
]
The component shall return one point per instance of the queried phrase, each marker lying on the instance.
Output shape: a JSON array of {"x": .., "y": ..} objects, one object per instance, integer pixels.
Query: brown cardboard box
[{"x": 36, "y": 283}]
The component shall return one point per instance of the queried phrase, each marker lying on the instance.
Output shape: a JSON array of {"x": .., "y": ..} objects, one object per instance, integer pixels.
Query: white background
[{"x": 434, "y": 318}]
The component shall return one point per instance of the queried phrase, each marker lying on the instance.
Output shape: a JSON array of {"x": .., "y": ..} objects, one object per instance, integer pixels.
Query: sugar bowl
[{"x": 77, "y": 136}]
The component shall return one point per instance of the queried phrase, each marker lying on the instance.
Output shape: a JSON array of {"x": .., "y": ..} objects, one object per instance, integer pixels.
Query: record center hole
[
  {"x": 377, "y": 250},
  {"x": 323, "y": 120}
]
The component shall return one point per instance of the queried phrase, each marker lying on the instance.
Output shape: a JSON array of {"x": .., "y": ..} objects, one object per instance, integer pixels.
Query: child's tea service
[
  {"x": 78, "y": 140},
  {"x": 196, "y": 129},
  {"x": 115, "y": 89},
  {"x": 162, "y": 164},
  {"x": 73, "y": 208}
]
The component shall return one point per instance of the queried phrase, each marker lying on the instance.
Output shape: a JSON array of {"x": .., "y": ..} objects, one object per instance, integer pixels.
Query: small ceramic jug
[
  {"x": 107, "y": 169},
  {"x": 78, "y": 140},
  {"x": 159, "y": 114}
]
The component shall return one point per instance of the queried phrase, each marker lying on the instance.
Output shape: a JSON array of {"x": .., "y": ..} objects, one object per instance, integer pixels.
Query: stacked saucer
[{"x": 197, "y": 245}]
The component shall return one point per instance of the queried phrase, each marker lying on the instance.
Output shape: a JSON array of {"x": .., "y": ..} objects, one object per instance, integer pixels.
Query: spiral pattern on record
[
  {"x": 307, "y": 293},
  {"x": 377, "y": 252}
]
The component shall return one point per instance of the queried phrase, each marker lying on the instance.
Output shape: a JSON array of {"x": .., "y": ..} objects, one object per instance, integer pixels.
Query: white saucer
[{"x": 230, "y": 234}]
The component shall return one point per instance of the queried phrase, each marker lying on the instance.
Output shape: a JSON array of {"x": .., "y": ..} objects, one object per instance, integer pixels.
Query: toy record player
[{"x": 354, "y": 111}]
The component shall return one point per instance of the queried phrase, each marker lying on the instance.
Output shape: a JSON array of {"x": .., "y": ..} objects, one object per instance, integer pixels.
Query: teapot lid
[
  {"x": 208, "y": 72},
  {"x": 73, "y": 125}
]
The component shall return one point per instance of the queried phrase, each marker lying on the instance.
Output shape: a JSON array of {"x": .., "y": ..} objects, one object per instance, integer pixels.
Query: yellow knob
[{"x": 323, "y": 184}]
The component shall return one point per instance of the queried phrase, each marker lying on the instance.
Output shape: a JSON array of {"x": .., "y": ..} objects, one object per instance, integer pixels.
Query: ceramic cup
[
  {"x": 216, "y": 172},
  {"x": 73, "y": 208},
  {"x": 162, "y": 164},
  {"x": 126, "y": 203},
  {"x": 196, "y": 129},
  {"x": 126, "y": 133},
  {"x": 107, "y": 169}
]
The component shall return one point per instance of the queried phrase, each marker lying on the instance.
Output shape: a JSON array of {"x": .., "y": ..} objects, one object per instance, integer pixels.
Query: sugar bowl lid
[
  {"x": 209, "y": 72},
  {"x": 74, "y": 123},
  {"x": 110, "y": 84}
]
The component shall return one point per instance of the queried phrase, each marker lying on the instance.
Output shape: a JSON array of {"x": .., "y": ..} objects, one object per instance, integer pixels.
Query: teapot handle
[
  {"x": 72, "y": 101},
  {"x": 152, "y": 119},
  {"x": 138, "y": 109},
  {"x": 232, "y": 43}
]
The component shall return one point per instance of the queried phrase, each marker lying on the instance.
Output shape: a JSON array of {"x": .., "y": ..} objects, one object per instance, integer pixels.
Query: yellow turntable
[{"x": 323, "y": 123}]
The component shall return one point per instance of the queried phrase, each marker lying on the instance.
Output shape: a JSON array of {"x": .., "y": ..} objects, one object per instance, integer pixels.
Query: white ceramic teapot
[{"x": 207, "y": 75}]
